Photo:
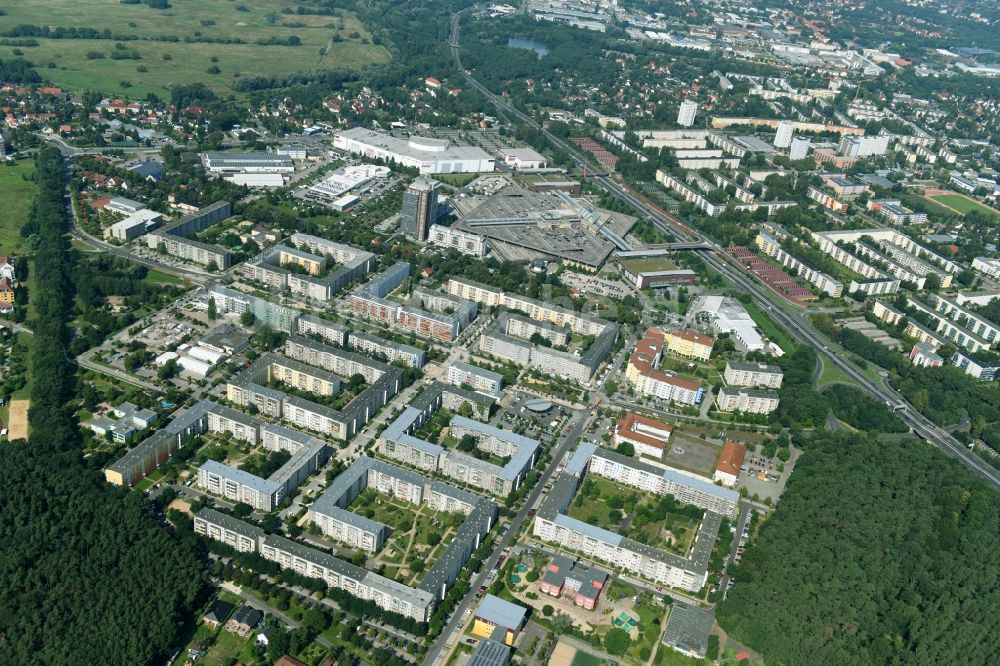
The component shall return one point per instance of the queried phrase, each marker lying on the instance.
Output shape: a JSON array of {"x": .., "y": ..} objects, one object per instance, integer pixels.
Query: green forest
[
  {"x": 87, "y": 575},
  {"x": 877, "y": 554}
]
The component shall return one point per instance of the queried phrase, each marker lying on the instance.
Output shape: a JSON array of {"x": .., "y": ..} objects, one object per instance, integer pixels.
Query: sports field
[
  {"x": 932, "y": 207},
  {"x": 963, "y": 204},
  {"x": 18, "y": 426},
  {"x": 17, "y": 194},
  {"x": 158, "y": 37}
]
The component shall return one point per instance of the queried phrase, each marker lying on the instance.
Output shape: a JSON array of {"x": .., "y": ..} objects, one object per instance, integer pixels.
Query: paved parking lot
[{"x": 766, "y": 487}]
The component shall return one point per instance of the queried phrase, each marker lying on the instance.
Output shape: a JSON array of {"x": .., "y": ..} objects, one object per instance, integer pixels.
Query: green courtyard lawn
[
  {"x": 964, "y": 204},
  {"x": 458, "y": 179},
  {"x": 600, "y": 500},
  {"x": 189, "y": 62},
  {"x": 17, "y": 196},
  {"x": 418, "y": 535}
]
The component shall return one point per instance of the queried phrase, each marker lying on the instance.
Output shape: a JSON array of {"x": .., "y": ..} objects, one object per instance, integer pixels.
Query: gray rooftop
[
  {"x": 323, "y": 323},
  {"x": 288, "y": 433},
  {"x": 476, "y": 370},
  {"x": 688, "y": 628},
  {"x": 697, "y": 483},
  {"x": 265, "y": 486},
  {"x": 225, "y": 336},
  {"x": 755, "y": 367},
  {"x": 490, "y": 652},
  {"x": 354, "y": 519},
  {"x": 580, "y": 459},
  {"x": 193, "y": 414},
  {"x": 252, "y": 158},
  {"x": 317, "y": 557},
  {"x": 401, "y": 146},
  {"x": 500, "y": 612},
  {"x": 234, "y": 415},
  {"x": 324, "y": 348},
  {"x": 526, "y": 446},
  {"x": 227, "y": 522}
]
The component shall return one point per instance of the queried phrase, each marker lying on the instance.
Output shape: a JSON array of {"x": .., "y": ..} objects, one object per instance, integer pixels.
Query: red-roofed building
[
  {"x": 727, "y": 468},
  {"x": 563, "y": 575},
  {"x": 286, "y": 660},
  {"x": 642, "y": 373},
  {"x": 648, "y": 436}
]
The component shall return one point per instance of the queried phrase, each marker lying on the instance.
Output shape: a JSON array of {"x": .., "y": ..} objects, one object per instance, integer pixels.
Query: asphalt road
[{"x": 797, "y": 325}]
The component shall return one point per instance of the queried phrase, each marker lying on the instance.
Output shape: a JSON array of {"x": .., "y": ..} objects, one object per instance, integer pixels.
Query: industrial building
[
  {"x": 250, "y": 162},
  {"x": 522, "y": 159},
  {"x": 428, "y": 156},
  {"x": 133, "y": 226}
]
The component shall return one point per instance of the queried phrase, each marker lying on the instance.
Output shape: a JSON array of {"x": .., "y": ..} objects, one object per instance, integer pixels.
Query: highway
[{"x": 797, "y": 324}]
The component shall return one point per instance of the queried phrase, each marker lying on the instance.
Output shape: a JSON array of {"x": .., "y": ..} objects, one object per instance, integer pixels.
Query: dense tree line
[
  {"x": 98, "y": 277},
  {"x": 945, "y": 395},
  {"x": 799, "y": 403},
  {"x": 877, "y": 554},
  {"x": 860, "y": 410},
  {"x": 18, "y": 71},
  {"x": 86, "y": 574}
]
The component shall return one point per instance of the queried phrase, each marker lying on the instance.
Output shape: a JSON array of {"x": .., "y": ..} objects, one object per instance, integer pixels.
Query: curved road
[
  {"x": 797, "y": 324},
  {"x": 77, "y": 231}
]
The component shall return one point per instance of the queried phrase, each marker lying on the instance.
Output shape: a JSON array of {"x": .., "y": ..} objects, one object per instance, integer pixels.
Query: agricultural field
[
  {"x": 17, "y": 195},
  {"x": 157, "y": 37},
  {"x": 964, "y": 204}
]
